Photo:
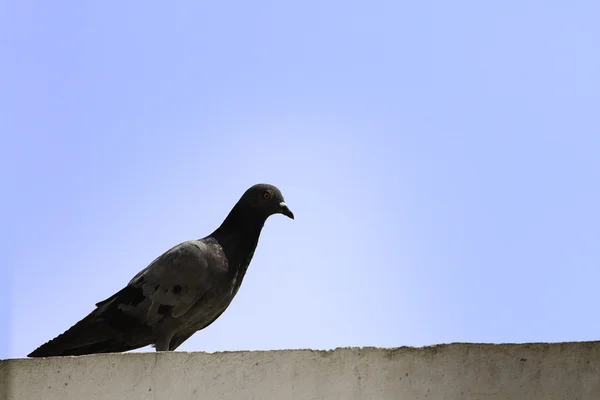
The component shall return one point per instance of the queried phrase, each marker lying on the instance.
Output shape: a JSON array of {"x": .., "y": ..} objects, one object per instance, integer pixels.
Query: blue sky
[{"x": 442, "y": 160}]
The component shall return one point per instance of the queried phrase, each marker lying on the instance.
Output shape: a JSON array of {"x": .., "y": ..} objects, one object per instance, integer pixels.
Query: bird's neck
[{"x": 238, "y": 236}]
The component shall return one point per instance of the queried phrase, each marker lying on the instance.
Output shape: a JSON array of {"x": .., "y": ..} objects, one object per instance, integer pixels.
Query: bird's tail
[
  {"x": 85, "y": 337},
  {"x": 94, "y": 334}
]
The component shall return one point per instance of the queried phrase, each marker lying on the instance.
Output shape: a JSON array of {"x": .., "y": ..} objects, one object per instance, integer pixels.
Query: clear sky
[{"x": 441, "y": 157}]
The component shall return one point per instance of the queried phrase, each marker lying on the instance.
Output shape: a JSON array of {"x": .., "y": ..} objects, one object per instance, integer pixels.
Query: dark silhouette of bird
[{"x": 181, "y": 292}]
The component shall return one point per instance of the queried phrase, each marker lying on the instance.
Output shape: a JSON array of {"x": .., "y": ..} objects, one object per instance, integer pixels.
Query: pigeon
[{"x": 181, "y": 292}]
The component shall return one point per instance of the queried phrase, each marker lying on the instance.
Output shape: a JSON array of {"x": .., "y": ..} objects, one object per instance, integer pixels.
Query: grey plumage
[{"x": 182, "y": 291}]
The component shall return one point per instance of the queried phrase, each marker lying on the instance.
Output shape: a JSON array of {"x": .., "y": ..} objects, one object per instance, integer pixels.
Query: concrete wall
[{"x": 561, "y": 371}]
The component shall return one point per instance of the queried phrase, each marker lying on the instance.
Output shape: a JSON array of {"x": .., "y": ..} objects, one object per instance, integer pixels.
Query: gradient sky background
[{"x": 442, "y": 160}]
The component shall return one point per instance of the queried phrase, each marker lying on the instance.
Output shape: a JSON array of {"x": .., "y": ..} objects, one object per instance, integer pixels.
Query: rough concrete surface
[{"x": 560, "y": 371}]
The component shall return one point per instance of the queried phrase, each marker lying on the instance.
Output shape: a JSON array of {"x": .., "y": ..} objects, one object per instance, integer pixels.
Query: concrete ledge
[{"x": 560, "y": 371}]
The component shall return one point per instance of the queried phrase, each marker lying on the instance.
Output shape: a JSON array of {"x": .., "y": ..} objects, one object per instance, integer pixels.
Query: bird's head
[{"x": 266, "y": 200}]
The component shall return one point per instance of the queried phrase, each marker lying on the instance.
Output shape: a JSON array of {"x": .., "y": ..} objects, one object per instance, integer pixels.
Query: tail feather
[
  {"x": 107, "y": 346},
  {"x": 83, "y": 334},
  {"x": 105, "y": 330}
]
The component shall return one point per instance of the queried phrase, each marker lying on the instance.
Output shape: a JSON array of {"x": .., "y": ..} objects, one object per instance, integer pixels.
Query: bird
[{"x": 182, "y": 291}]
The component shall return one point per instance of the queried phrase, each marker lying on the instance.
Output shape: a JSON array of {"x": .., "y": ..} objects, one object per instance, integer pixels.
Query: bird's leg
[{"x": 163, "y": 341}]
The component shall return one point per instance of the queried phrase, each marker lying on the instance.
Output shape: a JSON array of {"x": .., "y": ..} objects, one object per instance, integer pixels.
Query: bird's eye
[{"x": 267, "y": 195}]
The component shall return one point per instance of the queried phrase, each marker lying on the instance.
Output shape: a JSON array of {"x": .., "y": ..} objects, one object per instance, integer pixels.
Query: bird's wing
[{"x": 173, "y": 282}]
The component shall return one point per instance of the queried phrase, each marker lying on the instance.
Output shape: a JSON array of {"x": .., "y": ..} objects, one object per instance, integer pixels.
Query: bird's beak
[{"x": 285, "y": 210}]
